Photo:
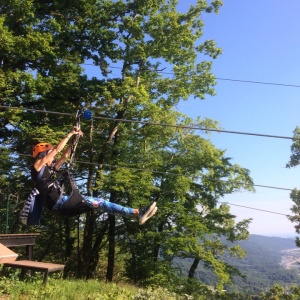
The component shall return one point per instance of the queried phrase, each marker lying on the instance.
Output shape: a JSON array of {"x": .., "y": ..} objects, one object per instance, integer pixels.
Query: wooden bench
[
  {"x": 25, "y": 265},
  {"x": 8, "y": 259},
  {"x": 23, "y": 239}
]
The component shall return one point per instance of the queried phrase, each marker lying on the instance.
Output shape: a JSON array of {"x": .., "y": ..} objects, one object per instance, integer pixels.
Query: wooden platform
[
  {"x": 23, "y": 239},
  {"x": 6, "y": 255},
  {"x": 25, "y": 265},
  {"x": 8, "y": 258}
]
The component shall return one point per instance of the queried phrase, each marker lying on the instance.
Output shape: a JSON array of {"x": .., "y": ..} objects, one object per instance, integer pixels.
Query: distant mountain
[
  {"x": 272, "y": 243},
  {"x": 262, "y": 265}
]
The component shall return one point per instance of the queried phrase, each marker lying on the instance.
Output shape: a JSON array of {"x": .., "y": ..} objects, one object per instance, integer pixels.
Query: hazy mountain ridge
[
  {"x": 271, "y": 250},
  {"x": 263, "y": 266},
  {"x": 271, "y": 243},
  {"x": 269, "y": 260}
]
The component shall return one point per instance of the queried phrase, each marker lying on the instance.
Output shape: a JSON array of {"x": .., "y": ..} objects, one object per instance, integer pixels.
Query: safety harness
[{"x": 76, "y": 204}]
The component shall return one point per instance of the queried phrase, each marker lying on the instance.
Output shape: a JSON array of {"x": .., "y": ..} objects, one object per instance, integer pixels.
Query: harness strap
[
  {"x": 67, "y": 175},
  {"x": 75, "y": 141},
  {"x": 54, "y": 181}
]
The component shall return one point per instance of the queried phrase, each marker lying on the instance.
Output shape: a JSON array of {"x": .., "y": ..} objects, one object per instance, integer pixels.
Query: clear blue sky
[{"x": 261, "y": 42}]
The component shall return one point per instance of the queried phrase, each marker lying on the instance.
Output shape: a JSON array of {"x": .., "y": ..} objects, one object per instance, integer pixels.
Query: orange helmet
[{"x": 41, "y": 147}]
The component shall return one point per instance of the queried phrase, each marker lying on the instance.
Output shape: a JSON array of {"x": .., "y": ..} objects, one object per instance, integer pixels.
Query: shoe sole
[{"x": 148, "y": 216}]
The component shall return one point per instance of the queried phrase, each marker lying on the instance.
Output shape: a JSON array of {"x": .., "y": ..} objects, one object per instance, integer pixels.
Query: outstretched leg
[{"x": 143, "y": 214}]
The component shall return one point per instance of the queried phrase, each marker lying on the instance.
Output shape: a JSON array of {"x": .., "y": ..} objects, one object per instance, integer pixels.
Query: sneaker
[{"x": 146, "y": 213}]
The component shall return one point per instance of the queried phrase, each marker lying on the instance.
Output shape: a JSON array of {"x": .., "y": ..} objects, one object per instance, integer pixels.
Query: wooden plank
[
  {"x": 29, "y": 264},
  {"x": 12, "y": 240},
  {"x": 21, "y": 239},
  {"x": 35, "y": 266},
  {"x": 7, "y": 255}
]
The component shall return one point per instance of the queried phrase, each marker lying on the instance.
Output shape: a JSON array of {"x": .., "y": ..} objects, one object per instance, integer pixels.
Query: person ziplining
[{"x": 49, "y": 189}]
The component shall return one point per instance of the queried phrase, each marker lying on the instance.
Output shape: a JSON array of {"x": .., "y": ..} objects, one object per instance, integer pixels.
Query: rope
[{"x": 75, "y": 140}]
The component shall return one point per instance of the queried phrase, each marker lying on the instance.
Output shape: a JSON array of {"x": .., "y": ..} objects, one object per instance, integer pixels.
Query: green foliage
[
  {"x": 131, "y": 163},
  {"x": 295, "y": 194},
  {"x": 58, "y": 289},
  {"x": 295, "y": 149},
  {"x": 277, "y": 292},
  {"x": 33, "y": 288},
  {"x": 158, "y": 294}
]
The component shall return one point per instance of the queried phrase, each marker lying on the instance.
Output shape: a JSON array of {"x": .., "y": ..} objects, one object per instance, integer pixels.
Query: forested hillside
[{"x": 261, "y": 266}]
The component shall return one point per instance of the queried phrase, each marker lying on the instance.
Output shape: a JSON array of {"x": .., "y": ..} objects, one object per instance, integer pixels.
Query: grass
[
  {"x": 63, "y": 289},
  {"x": 33, "y": 288}
]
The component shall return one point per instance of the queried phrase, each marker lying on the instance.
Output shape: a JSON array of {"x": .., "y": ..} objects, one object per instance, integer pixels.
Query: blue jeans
[{"x": 109, "y": 207}]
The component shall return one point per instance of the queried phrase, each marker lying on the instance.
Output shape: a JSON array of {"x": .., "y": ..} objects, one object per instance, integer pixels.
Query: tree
[
  {"x": 295, "y": 194},
  {"x": 278, "y": 292},
  {"x": 135, "y": 150}
]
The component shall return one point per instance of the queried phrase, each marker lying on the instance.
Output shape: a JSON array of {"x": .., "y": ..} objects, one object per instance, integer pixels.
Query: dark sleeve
[{"x": 34, "y": 175}]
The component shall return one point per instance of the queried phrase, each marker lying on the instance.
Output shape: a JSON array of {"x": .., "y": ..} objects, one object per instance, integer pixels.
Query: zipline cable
[
  {"x": 177, "y": 126},
  {"x": 218, "y": 78},
  {"x": 158, "y": 124},
  {"x": 258, "y": 82},
  {"x": 170, "y": 173},
  {"x": 258, "y": 209},
  {"x": 224, "y": 202}
]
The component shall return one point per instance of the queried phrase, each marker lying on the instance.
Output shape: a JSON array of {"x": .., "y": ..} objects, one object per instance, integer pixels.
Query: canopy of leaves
[{"x": 145, "y": 58}]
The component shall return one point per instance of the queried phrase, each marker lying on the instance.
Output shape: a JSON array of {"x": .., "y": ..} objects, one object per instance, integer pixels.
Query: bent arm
[
  {"x": 63, "y": 157},
  {"x": 60, "y": 146}
]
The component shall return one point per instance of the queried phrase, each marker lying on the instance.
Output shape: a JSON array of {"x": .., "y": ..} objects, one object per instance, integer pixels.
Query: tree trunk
[
  {"x": 87, "y": 244},
  {"x": 193, "y": 268},
  {"x": 156, "y": 246},
  {"x": 68, "y": 240},
  {"x": 95, "y": 251},
  {"x": 111, "y": 249}
]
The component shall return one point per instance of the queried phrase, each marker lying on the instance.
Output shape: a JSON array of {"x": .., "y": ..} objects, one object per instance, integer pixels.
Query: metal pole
[
  {"x": 7, "y": 213},
  {"x": 78, "y": 246}
]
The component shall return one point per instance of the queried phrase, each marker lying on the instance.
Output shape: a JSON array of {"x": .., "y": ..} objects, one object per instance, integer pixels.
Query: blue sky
[{"x": 261, "y": 42}]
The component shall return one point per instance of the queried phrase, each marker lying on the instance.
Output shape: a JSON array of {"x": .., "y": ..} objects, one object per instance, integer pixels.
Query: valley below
[{"x": 290, "y": 259}]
